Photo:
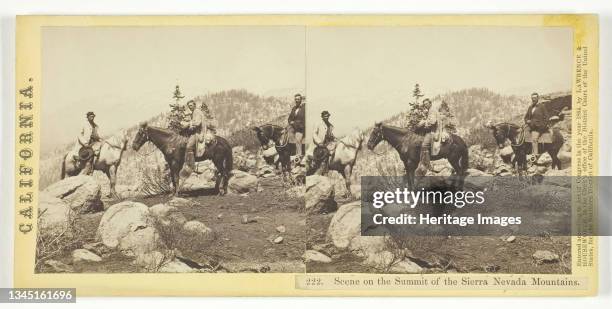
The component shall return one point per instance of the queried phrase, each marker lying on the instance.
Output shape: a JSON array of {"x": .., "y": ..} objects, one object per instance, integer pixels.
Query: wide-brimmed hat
[
  {"x": 90, "y": 114},
  {"x": 86, "y": 153},
  {"x": 325, "y": 114}
]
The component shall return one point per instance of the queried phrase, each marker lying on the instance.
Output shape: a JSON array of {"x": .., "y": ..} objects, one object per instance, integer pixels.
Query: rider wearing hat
[
  {"x": 89, "y": 139},
  {"x": 297, "y": 120},
  {"x": 323, "y": 136},
  {"x": 193, "y": 127}
]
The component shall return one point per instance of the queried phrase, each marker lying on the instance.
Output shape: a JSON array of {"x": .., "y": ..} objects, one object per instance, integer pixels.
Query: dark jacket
[
  {"x": 299, "y": 119},
  {"x": 539, "y": 116}
]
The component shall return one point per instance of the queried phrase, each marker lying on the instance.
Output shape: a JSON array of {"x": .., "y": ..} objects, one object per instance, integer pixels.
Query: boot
[
  {"x": 423, "y": 163},
  {"x": 190, "y": 159}
]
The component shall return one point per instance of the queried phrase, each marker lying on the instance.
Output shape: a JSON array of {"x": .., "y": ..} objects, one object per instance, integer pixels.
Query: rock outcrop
[
  {"x": 242, "y": 182},
  {"x": 130, "y": 228},
  {"x": 82, "y": 193},
  {"x": 319, "y": 195}
]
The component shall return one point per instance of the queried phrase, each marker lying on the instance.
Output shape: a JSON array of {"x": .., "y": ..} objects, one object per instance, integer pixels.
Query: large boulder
[
  {"x": 167, "y": 215},
  {"x": 242, "y": 182},
  {"x": 129, "y": 227},
  {"x": 198, "y": 228},
  {"x": 345, "y": 232},
  {"x": 338, "y": 182},
  {"x": 82, "y": 193},
  {"x": 197, "y": 182},
  {"x": 55, "y": 216},
  {"x": 319, "y": 196}
]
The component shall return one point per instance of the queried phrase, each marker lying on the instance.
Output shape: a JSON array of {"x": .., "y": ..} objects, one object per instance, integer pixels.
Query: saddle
[
  {"x": 438, "y": 138},
  {"x": 525, "y": 136},
  {"x": 204, "y": 139}
]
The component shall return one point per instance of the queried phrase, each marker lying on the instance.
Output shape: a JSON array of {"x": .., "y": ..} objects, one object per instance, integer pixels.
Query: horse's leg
[
  {"x": 347, "y": 179},
  {"x": 112, "y": 177},
  {"x": 177, "y": 170},
  {"x": 555, "y": 160},
  {"x": 410, "y": 173},
  {"x": 226, "y": 174}
]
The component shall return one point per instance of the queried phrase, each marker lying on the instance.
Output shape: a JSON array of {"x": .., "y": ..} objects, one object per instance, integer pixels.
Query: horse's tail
[
  {"x": 464, "y": 161},
  {"x": 63, "y": 175}
]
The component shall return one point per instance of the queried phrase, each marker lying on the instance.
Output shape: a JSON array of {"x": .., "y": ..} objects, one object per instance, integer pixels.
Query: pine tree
[
  {"x": 418, "y": 110},
  {"x": 416, "y": 93},
  {"x": 177, "y": 111}
]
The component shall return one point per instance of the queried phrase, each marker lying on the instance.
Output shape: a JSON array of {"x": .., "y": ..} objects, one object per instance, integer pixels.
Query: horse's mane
[
  {"x": 398, "y": 129},
  {"x": 273, "y": 126},
  {"x": 165, "y": 131},
  {"x": 115, "y": 141},
  {"x": 353, "y": 139}
]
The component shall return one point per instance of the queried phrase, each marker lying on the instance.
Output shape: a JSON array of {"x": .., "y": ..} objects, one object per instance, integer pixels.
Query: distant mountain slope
[{"x": 234, "y": 112}]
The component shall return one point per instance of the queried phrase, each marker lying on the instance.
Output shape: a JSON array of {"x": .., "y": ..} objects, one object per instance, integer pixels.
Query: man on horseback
[
  {"x": 324, "y": 140},
  {"x": 193, "y": 127},
  {"x": 536, "y": 118},
  {"x": 297, "y": 121},
  {"x": 435, "y": 127},
  {"x": 90, "y": 141}
]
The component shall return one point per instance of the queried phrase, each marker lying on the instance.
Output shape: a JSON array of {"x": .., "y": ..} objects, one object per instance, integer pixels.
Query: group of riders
[{"x": 193, "y": 125}]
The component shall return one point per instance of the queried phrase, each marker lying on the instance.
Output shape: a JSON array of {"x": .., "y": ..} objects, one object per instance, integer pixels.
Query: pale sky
[
  {"x": 363, "y": 75},
  {"x": 127, "y": 74},
  {"x": 360, "y": 74}
]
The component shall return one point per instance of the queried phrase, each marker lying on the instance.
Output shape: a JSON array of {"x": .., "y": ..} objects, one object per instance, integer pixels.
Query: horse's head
[
  {"x": 264, "y": 140},
  {"x": 500, "y": 132},
  {"x": 376, "y": 136},
  {"x": 142, "y": 136}
]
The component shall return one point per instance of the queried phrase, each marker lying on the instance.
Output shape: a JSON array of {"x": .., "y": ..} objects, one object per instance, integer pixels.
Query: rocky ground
[
  {"x": 258, "y": 227},
  {"x": 334, "y": 243}
]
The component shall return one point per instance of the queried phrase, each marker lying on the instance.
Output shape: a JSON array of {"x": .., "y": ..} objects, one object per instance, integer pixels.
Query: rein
[
  {"x": 384, "y": 152},
  {"x": 147, "y": 139}
]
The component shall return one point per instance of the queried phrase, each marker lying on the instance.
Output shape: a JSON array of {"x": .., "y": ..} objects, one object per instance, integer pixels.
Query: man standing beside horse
[
  {"x": 536, "y": 118},
  {"x": 297, "y": 123}
]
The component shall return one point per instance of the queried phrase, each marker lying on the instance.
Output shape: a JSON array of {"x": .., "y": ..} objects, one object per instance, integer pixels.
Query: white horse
[
  {"x": 345, "y": 156},
  {"x": 108, "y": 162}
]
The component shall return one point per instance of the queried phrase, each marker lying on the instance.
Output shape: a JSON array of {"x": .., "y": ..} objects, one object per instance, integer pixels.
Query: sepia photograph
[
  {"x": 307, "y": 155},
  {"x": 486, "y": 104},
  {"x": 172, "y": 149}
]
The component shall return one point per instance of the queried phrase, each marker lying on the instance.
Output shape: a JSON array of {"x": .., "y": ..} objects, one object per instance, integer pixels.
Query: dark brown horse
[
  {"x": 173, "y": 146},
  {"x": 505, "y": 131},
  {"x": 408, "y": 145},
  {"x": 279, "y": 136}
]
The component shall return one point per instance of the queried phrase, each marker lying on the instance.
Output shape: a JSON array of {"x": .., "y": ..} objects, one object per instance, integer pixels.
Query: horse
[
  {"x": 108, "y": 161},
  {"x": 345, "y": 156},
  {"x": 173, "y": 146},
  {"x": 408, "y": 145},
  {"x": 507, "y": 131},
  {"x": 279, "y": 136}
]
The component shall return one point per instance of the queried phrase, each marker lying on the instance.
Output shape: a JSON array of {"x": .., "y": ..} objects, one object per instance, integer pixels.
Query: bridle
[
  {"x": 379, "y": 135},
  {"x": 144, "y": 135}
]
